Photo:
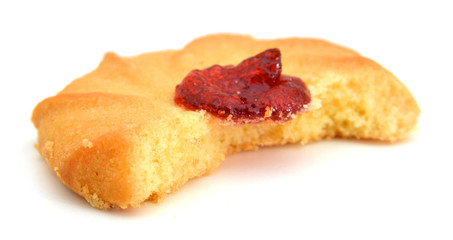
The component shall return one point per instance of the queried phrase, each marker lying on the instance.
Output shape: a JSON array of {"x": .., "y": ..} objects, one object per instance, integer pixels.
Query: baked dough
[{"x": 116, "y": 137}]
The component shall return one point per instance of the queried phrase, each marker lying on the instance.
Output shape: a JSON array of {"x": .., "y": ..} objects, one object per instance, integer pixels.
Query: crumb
[
  {"x": 56, "y": 170},
  {"x": 86, "y": 143},
  {"x": 268, "y": 112}
]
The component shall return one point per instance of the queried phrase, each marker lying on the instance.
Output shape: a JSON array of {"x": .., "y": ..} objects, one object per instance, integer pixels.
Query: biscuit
[{"x": 116, "y": 137}]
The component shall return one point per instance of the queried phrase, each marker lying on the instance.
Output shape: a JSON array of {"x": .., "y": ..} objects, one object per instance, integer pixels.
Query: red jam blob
[{"x": 251, "y": 92}]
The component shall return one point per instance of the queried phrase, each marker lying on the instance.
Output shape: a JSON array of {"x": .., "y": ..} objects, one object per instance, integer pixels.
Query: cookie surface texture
[{"x": 116, "y": 137}]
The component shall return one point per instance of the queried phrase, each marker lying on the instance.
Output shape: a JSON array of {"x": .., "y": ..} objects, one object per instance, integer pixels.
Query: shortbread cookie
[{"x": 116, "y": 136}]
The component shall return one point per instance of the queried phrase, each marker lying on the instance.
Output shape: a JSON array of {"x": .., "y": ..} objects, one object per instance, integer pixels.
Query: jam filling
[{"x": 251, "y": 92}]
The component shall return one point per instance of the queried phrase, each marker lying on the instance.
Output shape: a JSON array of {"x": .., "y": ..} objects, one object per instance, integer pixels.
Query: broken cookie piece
[{"x": 116, "y": 136}]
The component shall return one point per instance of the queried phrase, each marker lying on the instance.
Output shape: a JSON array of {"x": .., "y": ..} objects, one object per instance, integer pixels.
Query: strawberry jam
[{"x": 251, "y": 92}]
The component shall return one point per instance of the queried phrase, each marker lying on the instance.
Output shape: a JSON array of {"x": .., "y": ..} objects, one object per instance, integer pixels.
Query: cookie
[{"x": 116, "y": 136}]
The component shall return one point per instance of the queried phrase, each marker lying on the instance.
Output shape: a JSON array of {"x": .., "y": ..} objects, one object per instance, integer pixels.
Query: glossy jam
[{"x": 251, "y": 92}]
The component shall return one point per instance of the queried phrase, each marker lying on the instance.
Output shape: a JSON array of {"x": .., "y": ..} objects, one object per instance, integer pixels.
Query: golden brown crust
[{"x": 115, "y": 137}]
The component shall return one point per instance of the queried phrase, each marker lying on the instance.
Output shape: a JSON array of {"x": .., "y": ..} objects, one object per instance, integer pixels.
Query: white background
[{"x": 338, "y": 189}]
